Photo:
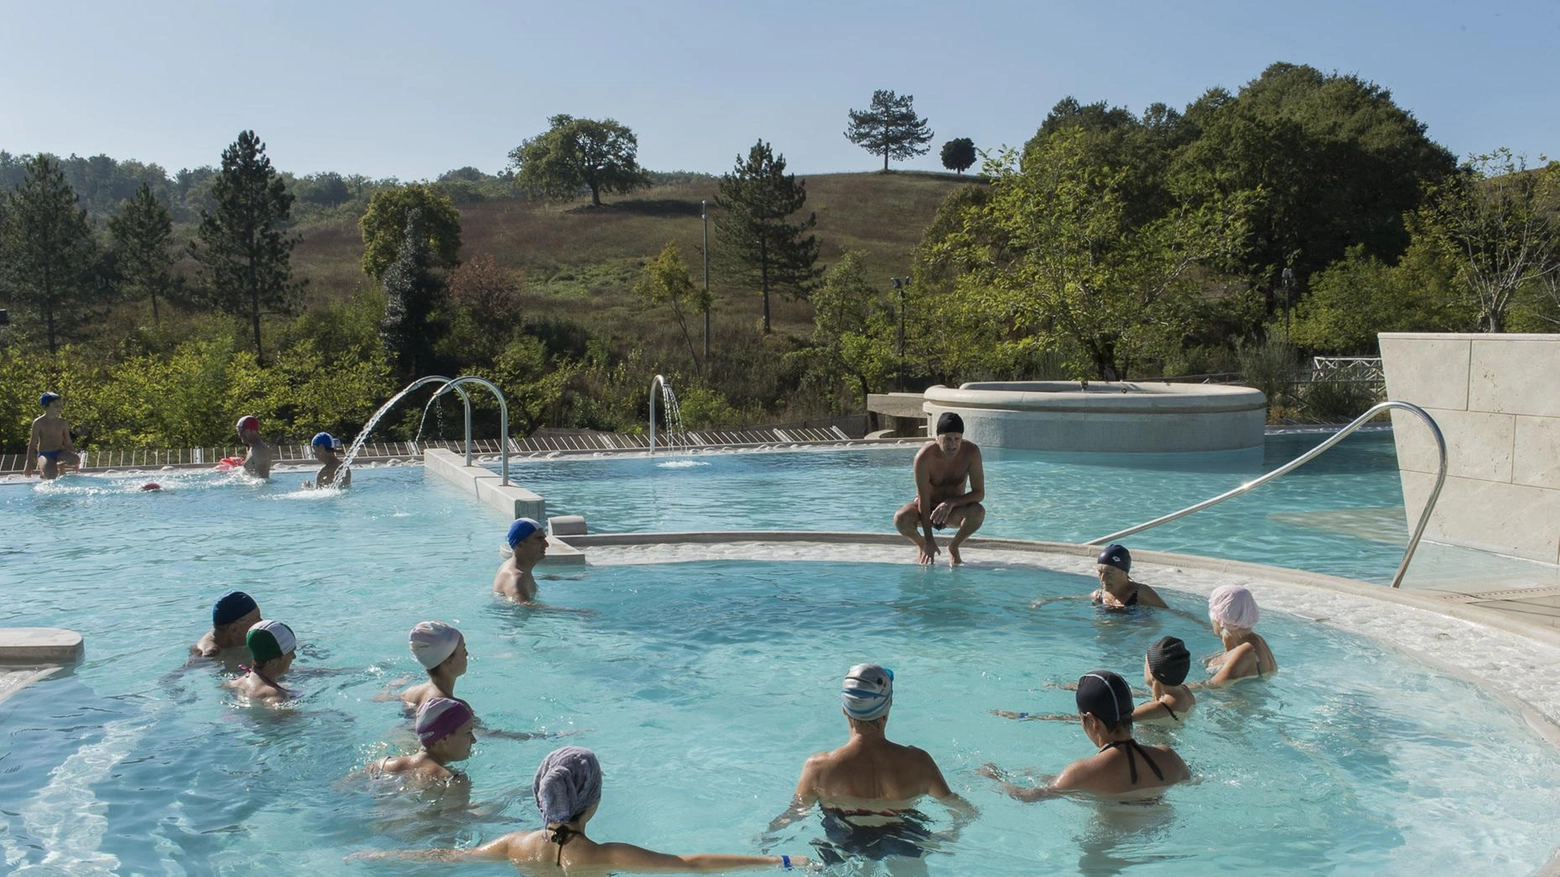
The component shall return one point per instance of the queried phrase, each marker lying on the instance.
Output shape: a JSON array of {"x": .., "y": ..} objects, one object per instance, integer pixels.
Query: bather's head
[
  {"x": 1104, "y": 703},
  {"x": 439, "y": 648},
  {"x": 1233, "y": 610},
  {"x": 232, "y": 616},
  {"x": 446, "y": 729},
  {"x": 867, "y": 695}
]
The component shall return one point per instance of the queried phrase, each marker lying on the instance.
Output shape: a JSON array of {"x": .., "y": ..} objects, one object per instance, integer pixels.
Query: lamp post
[
  {"x": 704, "y": 217},
  {"x": 900, "y": 285},
  {"x": 1287, "y": 279}
]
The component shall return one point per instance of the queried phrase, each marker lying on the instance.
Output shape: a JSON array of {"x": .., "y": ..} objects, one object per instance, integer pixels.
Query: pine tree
[
  {"x": 143, "y": 233},
  {"x": 48, "y": 255},
  {"x": 414, "y": 296},
  {"x": 244, "y": 252},
  {"x": 889, "y": 127},
  {"x": 758, "y": 240}
]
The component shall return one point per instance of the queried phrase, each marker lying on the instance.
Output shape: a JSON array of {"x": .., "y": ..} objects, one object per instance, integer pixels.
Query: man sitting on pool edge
[
  {"x": 941, "y": 469},
  {"x": 527, "y": 546},
  {"x": 868, "y": 788}
]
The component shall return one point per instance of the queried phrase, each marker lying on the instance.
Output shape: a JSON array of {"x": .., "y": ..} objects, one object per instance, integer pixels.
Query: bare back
[
  {"x": 1127, "y": 769},
  {"x": 871, "y": 774},
  {"x": 514, "y": 583}
]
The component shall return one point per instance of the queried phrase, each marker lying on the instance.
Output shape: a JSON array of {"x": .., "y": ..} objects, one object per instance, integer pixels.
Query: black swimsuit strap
[
  {"x": 1170, "y": 711},
  {"x": 1128, "y": 745}
]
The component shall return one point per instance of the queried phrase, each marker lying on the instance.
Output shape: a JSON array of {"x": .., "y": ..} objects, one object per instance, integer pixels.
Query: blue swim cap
[
  {"x": 47, "y": 398},
  {"x": 231, "y": 608},
  {"x": 521, "y": 530},
  {"x": 325, "y": 440}
]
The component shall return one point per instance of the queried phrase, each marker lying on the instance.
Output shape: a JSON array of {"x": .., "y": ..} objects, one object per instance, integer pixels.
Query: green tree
[
  {"x": 958, "y": 154},
  {"x": 142, "y": 235},
  {"x": 1057, "y": 258},
  {"x": 48, "y": 255},
  {"x": 889, "y": 126},
  {"x": 665, "y": 281},
  {"x": 414, "y": 299},
  {"x": 384, "y": 226},
  {"x": 1502, "y": 221},
  {"x": 759, "y": 242},
  {"x": 579, "y": 153},
  {"x": 1358, "y": 297},
  {"x": 852, "y": 328},
  {"x": 243, "y": 248}
]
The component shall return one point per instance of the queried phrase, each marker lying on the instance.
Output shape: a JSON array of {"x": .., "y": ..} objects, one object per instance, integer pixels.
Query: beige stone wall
[{"x": 1497, "y": 401}]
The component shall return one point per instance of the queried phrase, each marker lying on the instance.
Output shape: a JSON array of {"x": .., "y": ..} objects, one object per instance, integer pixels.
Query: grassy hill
[{"x": 580, "y": 263}]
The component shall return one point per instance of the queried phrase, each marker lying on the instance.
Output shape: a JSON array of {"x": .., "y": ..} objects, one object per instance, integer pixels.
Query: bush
[
  {"x": 1271, "y": 367},
  {"x": 1335, "y": 400}
]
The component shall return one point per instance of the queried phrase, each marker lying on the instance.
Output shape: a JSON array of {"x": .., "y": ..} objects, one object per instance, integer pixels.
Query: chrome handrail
[
  {"x": 503, "y": 423},
  {"x": 1340, "y": 435}
]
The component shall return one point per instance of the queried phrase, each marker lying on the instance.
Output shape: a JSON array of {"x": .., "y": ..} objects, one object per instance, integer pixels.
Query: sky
[{"x": 413, "y": 89}]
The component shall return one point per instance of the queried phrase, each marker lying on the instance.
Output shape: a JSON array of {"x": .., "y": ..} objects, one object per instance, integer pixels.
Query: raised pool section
[{"x": 1117, "y": 417}]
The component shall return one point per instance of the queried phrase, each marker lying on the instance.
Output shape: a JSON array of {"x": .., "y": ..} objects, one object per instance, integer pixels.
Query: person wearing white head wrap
[
  {"x": 441, "y": 650},
  {"x": 1233, "y": 611},
  {"x": 869, "y": 781},
  {"x": 567, "y": 788}
]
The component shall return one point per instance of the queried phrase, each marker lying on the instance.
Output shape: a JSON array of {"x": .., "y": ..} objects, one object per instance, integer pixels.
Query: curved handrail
[
  {"x": 1340, "y": 435},
  {"x": 503, "y": 422}
]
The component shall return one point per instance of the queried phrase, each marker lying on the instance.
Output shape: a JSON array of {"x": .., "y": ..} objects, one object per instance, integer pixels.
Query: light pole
[
  {"x": 900, "y": 286},
  {"x": 1287, "y": 279},
  {"x": 704, "y": 217}
]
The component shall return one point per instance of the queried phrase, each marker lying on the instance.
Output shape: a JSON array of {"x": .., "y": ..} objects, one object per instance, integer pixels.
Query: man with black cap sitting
[
  {"x": 1123, "y": 766},
  {"x": 942, "y": 469}
]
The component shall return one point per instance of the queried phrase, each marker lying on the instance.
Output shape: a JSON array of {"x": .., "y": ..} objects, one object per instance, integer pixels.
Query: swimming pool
[
  {"x": 702, "y": 685},
  {"x": 1340, "y": 514}
]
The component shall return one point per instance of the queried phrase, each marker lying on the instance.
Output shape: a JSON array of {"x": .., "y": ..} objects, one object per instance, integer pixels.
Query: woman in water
[
  {"x": 568, "y": 791},
  {"x": 1233, "y": 612},
  {"x": 445, "y": 732}
]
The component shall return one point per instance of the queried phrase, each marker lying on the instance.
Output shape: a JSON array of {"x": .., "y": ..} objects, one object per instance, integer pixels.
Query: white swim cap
[
  {"x": 1233, "y": 606},
  {"x": 433, "y": 642}
]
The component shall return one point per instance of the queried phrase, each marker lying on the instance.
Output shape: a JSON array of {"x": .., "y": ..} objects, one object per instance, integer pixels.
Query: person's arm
[
  {"x": 1239, "y": 663},
  {"x": 630, "y": 857},
  {"x": 1044, "y": 600},
  {"x": 493, "y": 850},
  {"x": 31, "y": 462},
  {"x": 977, "y": 483},
  {"x": 344, "y": 479},
  {"x": 1027, "y": 794},
  {"x": 801, "y": 802},
  {"x": 1034, "y": 717},
  {"x": 1149, "y": 597},
  {"x": 1150, "y": 710},
  {"x": 923, "y": 504}
]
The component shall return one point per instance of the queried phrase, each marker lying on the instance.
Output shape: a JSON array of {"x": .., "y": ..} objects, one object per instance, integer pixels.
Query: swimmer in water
[
  {"x": 567, "y": 788},
  {"x": 1117, "y": 590},
  {"x": 325, "y": 447},
  {"x": 441, "y": 650},
  {"x": 868, "y": 788},
  {"x": 231, "y": 618},
  {"x": 1122, "y": 767},
  {"x": 50, "y": 449},
  {"x": 941, "y": 468},
  {"x": 272, "y": 648},
  {"x": 527, "y": 547},
  {"x": 445, "y": 730},
  {"x": 1233, "y": 611},
  {"x": 1165, "y": 666},
  {"x": 257, "y": 461}
]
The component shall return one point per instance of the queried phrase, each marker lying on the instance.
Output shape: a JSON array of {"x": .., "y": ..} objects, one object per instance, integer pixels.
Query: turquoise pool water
[
  {"x": 1309, "y": 519},
  {"x": 701, "y": 685}
]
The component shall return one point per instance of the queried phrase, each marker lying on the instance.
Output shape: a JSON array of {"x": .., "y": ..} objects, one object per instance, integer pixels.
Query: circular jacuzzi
[{"x": 1117, "y": 417}]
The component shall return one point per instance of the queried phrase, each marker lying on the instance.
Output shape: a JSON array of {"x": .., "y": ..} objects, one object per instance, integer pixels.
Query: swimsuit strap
[
  {"x": 1170, "y": 711},
  {"x": 1128, "y": 745},
  {"x": 560, "y": 836},
  {"x": 269, "y": 681}
]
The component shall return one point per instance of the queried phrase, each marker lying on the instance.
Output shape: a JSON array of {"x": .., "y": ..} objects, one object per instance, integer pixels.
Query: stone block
[
  {"x": 1515, "y": 375},
  {"x": 1430, "y": 371},
  {"x": 1509, "y": 519},
  {"x": 1536, "y": 452}
]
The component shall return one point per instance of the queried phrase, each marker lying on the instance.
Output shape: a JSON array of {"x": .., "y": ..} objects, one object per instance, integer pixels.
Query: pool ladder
[{"x": 1340, "y": 435}]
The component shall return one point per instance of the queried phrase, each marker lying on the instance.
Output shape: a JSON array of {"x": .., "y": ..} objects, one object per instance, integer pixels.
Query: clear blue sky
[{"x": 412, "y": 89}]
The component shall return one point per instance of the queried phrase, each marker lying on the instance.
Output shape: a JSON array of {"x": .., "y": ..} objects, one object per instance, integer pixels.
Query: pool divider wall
[
  {"x": 1117, "y": 417},
  {"x": 32, "y": 654},
  {"x": 485, "y": 485}
]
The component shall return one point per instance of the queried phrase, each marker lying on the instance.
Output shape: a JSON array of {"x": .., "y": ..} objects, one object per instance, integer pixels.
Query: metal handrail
[
  {"x": 503, "y": 422},
  {"x": 1340, "y": 435}
]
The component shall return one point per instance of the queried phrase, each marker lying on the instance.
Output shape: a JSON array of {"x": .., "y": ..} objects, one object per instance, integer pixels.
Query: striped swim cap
[
  {"x": 868, "y": 692},
  {"x": 270, "y": 640}
]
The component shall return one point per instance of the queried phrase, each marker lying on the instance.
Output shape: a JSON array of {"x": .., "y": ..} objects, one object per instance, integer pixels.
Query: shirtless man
[
  {"x": 1123, "y": 767},
  {"x": 231, "y": 618},
  {"x": 272, "y": 648},
  {"x": 871, "y": 784},
  {"x": 257, "y": 461},
  {"x": 941, "y": 469},
  {"x": 527, "y": 545},
  {"x": 325, "y": 447},
  {"x": 50, "y": 444}
]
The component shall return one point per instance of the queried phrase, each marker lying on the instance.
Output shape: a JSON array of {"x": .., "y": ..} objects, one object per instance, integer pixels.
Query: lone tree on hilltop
[
  {"x": 958, "y": 154},
  {"x": 244, "y": 254},
  {"x": 48, "y": 256},
  {"x": 889, "y": 126},
  {"x": 579, "y": 153},
  {"x": 384, "y": 226},
  {"x": 758, "y": 240},
  {"x": 142, "y": 233}
]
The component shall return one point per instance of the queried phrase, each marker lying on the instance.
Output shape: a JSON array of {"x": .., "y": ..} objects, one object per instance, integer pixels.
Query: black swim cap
[
  {"x": 1105, "y": 695},
  {"x": 1169, "y": 660},
  {"x": 1117, "y": 556},
  {"x": 950, "y": 422}
]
